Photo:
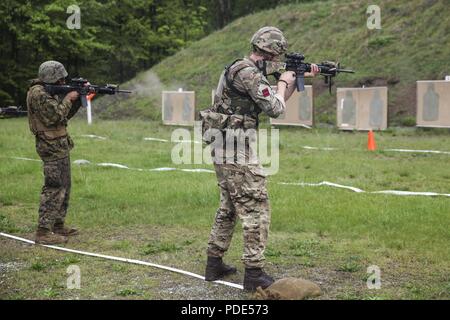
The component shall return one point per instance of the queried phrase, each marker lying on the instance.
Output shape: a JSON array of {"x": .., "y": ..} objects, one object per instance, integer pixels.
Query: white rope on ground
[
  {"x": 389, "y": 150},
  {"x": 121, "y": 166},
  {"x": 418, "y": 151},
  {"x": 133, "y": 261},
  {"x": 186, "y": 141},
  {"x": 394, "y": 192},
  {"x": 155, "y": 139},
  {"x": 82, "y": 162},
  {"x": 114, "y": 165},
  {"x": 323, "y": 183},
  {"x": 198, "y": 170},
  {"x": 163, "y": 169},
  {"x": 175, "y": 141},
  {"x": 93, "y": 136},
  {"x": 411, "y": 193},
  {"x": 317, "y": 148},
  {"x": 26, "y": 159}
]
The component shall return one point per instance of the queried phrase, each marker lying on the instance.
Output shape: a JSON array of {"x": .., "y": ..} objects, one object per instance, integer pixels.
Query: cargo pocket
[
  {"x": 64, "y": 144},
  {"x": 254, "y": 185},
  {"x": 213, "y": 124},
  {"x": 52, "y": 173},
  {"x": 235, "y": 180},
  {"x": 46, "y": 149}
]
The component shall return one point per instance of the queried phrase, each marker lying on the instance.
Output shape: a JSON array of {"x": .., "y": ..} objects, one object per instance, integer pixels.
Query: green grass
[
  {"x": 156, "y": 247},
  {"x": 409, "y": 46},
  {"x": 128, "y": 292},
  {"x": 50, "y": 293},
  {"x": 323, "y": 234},
  {"x": 37, "y": 266},
  {"x": 350, "y": 265}
]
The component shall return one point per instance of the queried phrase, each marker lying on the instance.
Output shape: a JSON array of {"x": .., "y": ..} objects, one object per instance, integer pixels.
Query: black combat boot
[
  {"x": 256, "y": 277},
  {"x": 216, "y": 269}
]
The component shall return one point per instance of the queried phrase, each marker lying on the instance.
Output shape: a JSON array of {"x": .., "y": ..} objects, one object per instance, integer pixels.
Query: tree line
[{"x": 115, "y": 39}]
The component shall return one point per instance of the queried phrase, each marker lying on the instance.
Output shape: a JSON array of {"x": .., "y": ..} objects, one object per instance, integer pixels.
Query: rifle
[
  {"x": 328, "y": 69},
  {"x": 12, "y": 111},
  {"x": 81, "y": 86}
]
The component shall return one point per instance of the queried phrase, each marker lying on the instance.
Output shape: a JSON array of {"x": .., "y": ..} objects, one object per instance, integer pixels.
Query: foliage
[{"x": 116, "y": 38}]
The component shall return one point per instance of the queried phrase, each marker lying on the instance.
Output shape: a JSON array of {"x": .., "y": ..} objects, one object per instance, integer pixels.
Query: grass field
[{"x": 323, "y": 234}]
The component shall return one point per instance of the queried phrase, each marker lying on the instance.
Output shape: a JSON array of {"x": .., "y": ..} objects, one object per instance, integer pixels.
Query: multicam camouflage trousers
[
  {"x": 243, "y": 194},
  {"x": 55, "y": 193}
]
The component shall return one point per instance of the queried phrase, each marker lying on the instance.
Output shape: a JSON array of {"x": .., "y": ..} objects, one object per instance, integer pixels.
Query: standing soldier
[
  {"x": 242, "y": 94},
  {"x": 48, "y": 116}
]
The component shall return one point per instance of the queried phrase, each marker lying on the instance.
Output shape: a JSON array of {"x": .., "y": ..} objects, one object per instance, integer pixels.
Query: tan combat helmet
[
  {"x": 51, "y": 71},
  {"x": 269, "y": 40}
]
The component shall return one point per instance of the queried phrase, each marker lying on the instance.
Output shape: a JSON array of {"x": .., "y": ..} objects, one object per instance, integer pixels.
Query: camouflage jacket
[
  {"x": 48, "y": 116},
  {"x": 244, "y": 90},
  {"x": 242, "y": 94}
]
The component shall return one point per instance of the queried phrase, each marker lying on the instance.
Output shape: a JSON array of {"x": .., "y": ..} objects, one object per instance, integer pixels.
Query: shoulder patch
[{"x": 266, "y": 92}]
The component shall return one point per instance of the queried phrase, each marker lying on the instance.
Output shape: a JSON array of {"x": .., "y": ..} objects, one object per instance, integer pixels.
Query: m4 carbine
[
  {"x": 328, "y": 69},
  {"x": 84, "y": 88}
]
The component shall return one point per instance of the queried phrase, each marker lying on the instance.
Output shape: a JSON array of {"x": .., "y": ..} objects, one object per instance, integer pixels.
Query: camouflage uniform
[
  {"x": 243, "y": 93},
  {"x": 48, "y": 117}
]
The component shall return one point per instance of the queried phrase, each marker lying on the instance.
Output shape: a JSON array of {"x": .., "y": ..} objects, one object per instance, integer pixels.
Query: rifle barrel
[{"x": 345, "y": 70}]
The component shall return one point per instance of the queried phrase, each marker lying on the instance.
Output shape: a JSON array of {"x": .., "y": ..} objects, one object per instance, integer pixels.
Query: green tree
[{"x": 116, "y": 40}]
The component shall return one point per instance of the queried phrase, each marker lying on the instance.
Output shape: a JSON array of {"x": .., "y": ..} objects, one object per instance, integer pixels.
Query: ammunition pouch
[
  {"x": 219, "y": 121},
  {"x": 49, "y": 133},
  {"x": 237, "y": 121},
  {"x": 213, "y": 120}
]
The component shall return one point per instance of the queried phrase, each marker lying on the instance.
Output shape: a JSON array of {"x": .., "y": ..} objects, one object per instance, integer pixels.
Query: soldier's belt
[
  {"x": 38, "y": 128},
  {"x": 53, "y": 134},
  {"x": 220, "y": 121},
  {"x": 237, "y": 121}
]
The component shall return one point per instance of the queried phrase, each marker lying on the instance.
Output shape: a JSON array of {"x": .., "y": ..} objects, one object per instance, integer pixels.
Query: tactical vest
[
  {"x": 232, "y": 108},
  {"x": 230, "y": 100},
  {"x": 37, "y": 127}
]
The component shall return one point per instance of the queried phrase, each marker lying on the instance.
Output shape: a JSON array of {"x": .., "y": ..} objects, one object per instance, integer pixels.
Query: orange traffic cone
[{"x": 371, "y": 146}]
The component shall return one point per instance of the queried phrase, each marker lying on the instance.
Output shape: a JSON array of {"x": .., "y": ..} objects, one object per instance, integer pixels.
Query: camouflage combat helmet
[
  {"x": 269, "y": 40},
  {"x": 51, "y": 71}
]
